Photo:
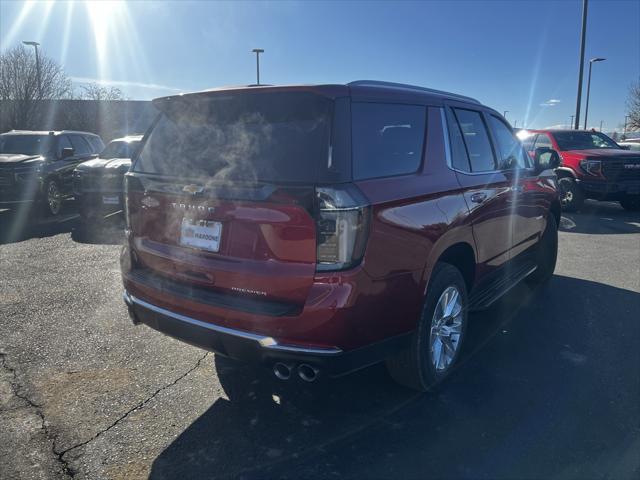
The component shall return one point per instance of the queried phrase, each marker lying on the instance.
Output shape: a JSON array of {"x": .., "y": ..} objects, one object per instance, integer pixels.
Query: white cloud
[
  {"x": 123, "y": 83},
  {"x": 552, "y": 102}
]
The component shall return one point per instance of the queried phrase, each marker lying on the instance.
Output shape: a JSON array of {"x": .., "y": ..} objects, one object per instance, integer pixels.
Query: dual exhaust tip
[{"x": 306, "y": 372}]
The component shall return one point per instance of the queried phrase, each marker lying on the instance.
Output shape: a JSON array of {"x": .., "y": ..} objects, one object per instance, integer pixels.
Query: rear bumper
[
  {"x": 256, "y": 348},
  {"x": 609, "y": 190}
]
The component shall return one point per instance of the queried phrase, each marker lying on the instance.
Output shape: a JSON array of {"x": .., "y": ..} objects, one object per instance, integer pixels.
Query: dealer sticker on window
[{"x": 202, "y": 234}]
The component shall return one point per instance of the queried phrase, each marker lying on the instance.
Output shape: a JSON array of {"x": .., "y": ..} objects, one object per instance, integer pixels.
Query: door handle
[{"x": 478, "y": 197}]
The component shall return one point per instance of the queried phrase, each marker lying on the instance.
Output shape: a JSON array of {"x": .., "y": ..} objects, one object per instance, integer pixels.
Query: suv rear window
[
  {"x": 247, "y": 137},
  {"x": 387, "y": 139}
]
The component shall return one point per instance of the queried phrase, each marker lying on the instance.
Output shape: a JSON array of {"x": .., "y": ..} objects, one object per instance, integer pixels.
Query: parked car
[
  {"x": 36, "y": 167},
  {"x": 633, "y": 146},
  {"x": 98, "y": 183},
  {"x": 592, "y": 166},
  {"x": 320, "y": 229}
]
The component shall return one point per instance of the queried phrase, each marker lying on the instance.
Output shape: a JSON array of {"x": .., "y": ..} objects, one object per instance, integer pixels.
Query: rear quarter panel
[{"x": 415, "y": 218}]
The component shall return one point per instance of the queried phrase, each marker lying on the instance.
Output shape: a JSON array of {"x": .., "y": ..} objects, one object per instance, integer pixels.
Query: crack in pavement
[
  {"x": 67, "y": 469},
  {"x": 130, "y": 411},
  {"x": 15, "y": 387}
]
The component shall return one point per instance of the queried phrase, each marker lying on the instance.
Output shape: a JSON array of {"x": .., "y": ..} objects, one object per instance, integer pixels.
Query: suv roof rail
[{"x": 404, "y": 86}]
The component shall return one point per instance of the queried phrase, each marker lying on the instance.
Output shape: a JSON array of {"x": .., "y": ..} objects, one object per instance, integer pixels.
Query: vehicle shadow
[
  {"x": 601, "y": 218},
  {"x": 532, "y": 398},
  {"x": 17, "y": 225},
  {"x": 107, "y": 231}
]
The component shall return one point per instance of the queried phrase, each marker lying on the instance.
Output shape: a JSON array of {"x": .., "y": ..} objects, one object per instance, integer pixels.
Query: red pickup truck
[{"x": 592, "y": 166}]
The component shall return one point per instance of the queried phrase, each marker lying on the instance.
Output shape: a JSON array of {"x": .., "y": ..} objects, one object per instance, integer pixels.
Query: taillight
[
  {"x": 131, "y": 184},
  {"x": 127, "y": 216},
  {"x": 592, "y": 167},
  {"x": 342, "y": 224}
]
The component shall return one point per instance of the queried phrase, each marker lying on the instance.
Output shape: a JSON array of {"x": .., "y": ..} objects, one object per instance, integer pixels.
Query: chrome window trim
[{"x": 265, "y": 342}]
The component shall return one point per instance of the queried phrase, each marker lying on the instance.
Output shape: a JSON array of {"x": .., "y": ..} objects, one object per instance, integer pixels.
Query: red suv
[
  {"x": 321, "y": 229},
  {"x": 592, "y": 166}
]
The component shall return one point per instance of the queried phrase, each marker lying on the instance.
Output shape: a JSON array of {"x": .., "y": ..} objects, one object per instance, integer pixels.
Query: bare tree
[
  {"x": 95, "y": 91},
  {"x": 19, "y": 91},
  {"x": 633, "y": 107}
]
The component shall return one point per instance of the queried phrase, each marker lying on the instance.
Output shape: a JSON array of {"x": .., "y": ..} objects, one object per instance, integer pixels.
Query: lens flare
[{"x": 105, "y": 18}]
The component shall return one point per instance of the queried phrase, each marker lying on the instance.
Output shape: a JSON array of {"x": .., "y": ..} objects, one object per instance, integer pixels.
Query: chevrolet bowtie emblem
[{"x": 192, "y": 189}]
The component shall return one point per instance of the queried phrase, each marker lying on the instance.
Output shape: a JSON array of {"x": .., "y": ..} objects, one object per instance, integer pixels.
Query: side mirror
[
  {"x": 625, "y": 147},
  {"x": 67, "y": 152},
  {"x": 546, "y": 159}
]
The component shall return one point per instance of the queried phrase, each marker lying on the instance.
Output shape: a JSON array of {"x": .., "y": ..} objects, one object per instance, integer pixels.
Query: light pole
[
  {"x": 35, "y": 45},
  {"x": 586, "y": 108},
  {"x": 258, "y": 51},
  {"x": 571, "y": 122},
  {"x": 504, "y": 114},
  {"x": 515, "y": 124},
  {"x": 601, "y": 121},
  {"x": 583, "y": 36},
  {"x": 624, "y": 133}
]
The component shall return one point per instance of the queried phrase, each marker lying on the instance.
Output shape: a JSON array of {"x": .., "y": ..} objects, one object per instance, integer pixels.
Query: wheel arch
[
  {"x": 462, "y": 256},
  {"x": 564, "y": 172}
]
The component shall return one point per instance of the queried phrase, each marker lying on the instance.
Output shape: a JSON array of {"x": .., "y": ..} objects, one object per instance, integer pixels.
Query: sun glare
[{"x": 106, "y": 18}]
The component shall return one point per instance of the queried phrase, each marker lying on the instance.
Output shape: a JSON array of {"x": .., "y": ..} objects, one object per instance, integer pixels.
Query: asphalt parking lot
[{"x": 549, "y": 386}]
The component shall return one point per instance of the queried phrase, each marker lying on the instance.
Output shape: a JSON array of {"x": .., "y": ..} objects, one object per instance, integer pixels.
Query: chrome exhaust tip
[
  {"x": 307, "y": 372},
  {"x": 282, "y": 371}
]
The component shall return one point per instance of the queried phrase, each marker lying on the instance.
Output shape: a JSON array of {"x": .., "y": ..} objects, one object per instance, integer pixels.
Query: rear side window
[
  {"x": 510, "y": 149},
  {"x": 96, "y": 143},
  {"x": 459, "y": 157},
  {"x": 80, "y": 145},
  {"x": 63, "y": 142},
  {"x": 476, "y": 140},
  {"x": 387, "y": 139}
]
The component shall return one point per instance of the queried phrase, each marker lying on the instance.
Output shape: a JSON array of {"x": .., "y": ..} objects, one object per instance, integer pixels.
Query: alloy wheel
[
  {"x": 54, "y": 198},
  {"x": 446, "y": 329}
]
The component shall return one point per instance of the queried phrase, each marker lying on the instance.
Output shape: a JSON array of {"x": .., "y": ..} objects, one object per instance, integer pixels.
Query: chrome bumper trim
[{"x": 268, "y": 343}]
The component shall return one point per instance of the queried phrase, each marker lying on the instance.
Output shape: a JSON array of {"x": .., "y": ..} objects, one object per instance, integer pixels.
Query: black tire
[
  {"x": 53, "y": 199},
  {"x": 547, "y": 254},
  {"x": 414, "y": 367},
  {"x": 631, "y": 203},
  {"x": 571, "y": 197}
]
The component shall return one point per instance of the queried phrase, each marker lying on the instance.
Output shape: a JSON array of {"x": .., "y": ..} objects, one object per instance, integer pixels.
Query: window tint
[
  {"x": 528, "y": 141},
  {"x": 275, "y": 137},
  {"x": 96, "y": 143},
  {"x": 476, "y": 139},
  {"x": 459, "y": 157},
  {"x": 80, "y": 145},
  {"x": 119, "y": 150},
  {"x": 25, "y": 144},
  {"x": 543, "y": 141},
  {"x": 511, "y": 153},
  {"x": 387, "y": 139},
  {"x": 63, "y": 142},
  {"x": 577, "y": 140}
]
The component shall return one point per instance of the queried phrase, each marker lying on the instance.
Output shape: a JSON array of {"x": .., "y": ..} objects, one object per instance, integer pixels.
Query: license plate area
[{"x": 200, "y": 234}]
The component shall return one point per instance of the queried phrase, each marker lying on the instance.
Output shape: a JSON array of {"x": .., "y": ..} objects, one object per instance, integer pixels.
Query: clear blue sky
[{"x": 519, "y": 56}]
